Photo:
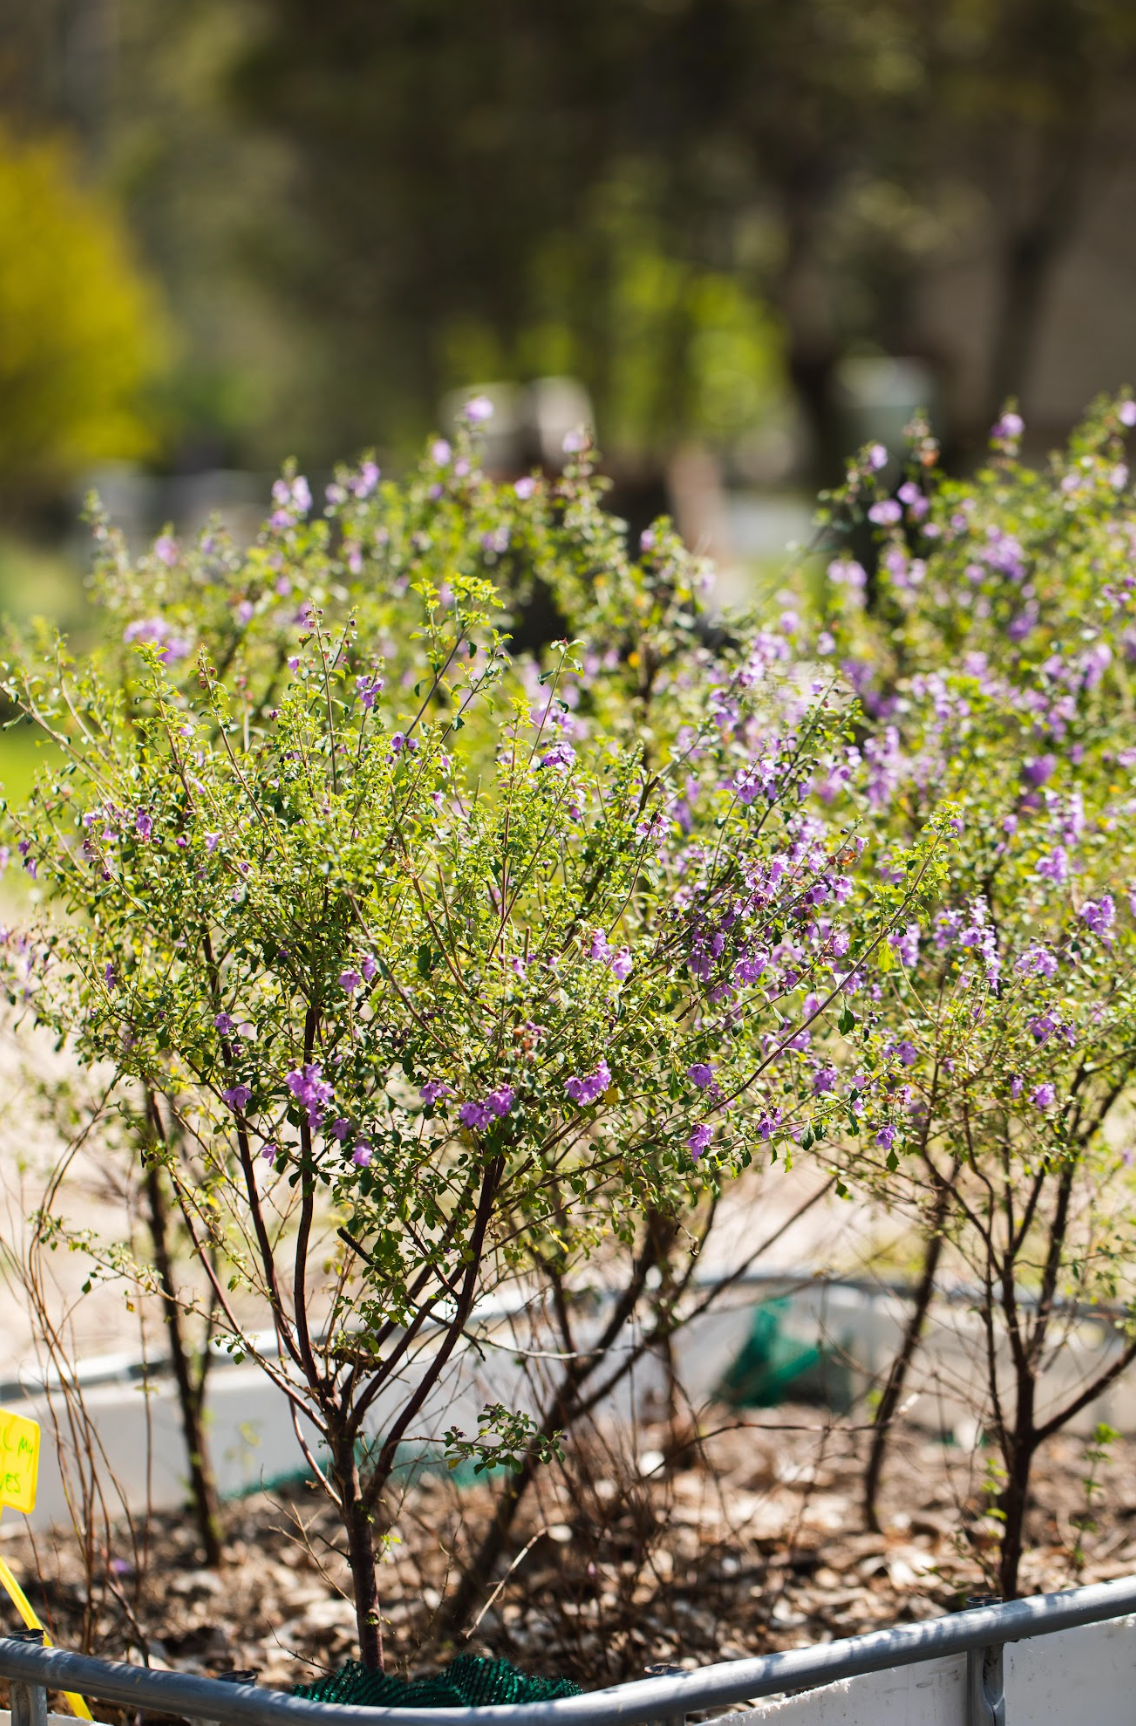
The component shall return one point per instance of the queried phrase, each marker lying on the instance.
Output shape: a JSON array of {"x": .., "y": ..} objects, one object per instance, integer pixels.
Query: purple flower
[
  {"x": 340, "y": 1129},
  {"x": 598, "y": 948},
  {"x": 368, "y": 687},
  {"x": 586, "y": 1090},
  {"x": 211, "y": 841},
  {"x": 1099, "y": 914},
  {"x": 1038, "y": 962},
  {"x": 907, "y": 1053},
  {"x": 524, "y": 487},
  {"x": 561, "y": 754},
  {"x": 224, "y": 1024},
  {"x": 236, "y": 1096},
  {"x": 143, "y": 825},
  {"x": 166, "y": 549},
  {"x": 1009, "y": 427},
  {"x": 620, "y": 964},
  {"x": 349, "y": 980},
  {"x": 576, "y": 441},
  {"x": 432, "y": 1090},
  {"x": 271, "y": 1151},
  {"x": 886, "y": 1137},
  {"x": 1036, "y": 772},
  {"x": 1016, "y": 1085},
  {"x": 1055, "y": 866},
  {"x": 1044, "y": 1096},
  {"x": 905, "y": 944},
  {"x": 477, "y": 410},
  {"x": 110, "y": 976},
  {"x": 311, "y": 1089},
  {"x": 699, "y": 1139},
  {"x": 440, "y": 451},
  {"x": 500, "y": 1101},
  {"x": 1042, "y": 1028},
  {"x": 701, "y": 1074},
  {"x": 885, "y": 513},
  {"x": 1128, "y": 413},
  {"x": 475, "y": 1115},
  {"x": 877, "y": 457}
]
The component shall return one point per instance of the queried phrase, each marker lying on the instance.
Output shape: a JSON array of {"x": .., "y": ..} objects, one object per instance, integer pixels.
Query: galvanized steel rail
[{"x": 33, "y": 1671}]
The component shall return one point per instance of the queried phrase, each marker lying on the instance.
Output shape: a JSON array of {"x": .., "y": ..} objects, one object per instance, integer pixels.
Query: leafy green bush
[{"x": 432, "y": 964}]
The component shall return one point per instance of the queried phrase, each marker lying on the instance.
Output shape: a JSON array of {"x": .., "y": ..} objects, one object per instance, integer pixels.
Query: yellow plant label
[{"x": 19, "y": 1461}]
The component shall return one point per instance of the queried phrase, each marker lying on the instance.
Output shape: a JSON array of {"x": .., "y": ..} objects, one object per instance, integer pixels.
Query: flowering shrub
[
  {"x": 428, "y": 960},
  {"x": 994, "y": 671}
]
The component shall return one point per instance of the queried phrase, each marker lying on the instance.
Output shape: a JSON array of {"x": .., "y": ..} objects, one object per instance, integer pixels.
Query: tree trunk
[
  {"x": 901, "y": 1365},
  {"x": 356, "y": 1520},
  {"x": 1014, "y": 1497},
  {"x": 202, "y": 1486}
]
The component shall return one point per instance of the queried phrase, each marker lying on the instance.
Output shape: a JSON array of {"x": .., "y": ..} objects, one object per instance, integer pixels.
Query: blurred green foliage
[{"x": 81, "y": 333}]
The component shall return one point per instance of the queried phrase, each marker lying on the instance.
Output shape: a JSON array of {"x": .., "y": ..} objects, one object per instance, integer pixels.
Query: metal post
[
  {"x": 28, "y": 1701},
  {"x": 985, "y": 1684}
]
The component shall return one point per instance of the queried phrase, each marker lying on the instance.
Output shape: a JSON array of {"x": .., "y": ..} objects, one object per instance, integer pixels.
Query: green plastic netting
[
  {"x": 775, "y": 1366},
  {"x": 467, "y": 1682}
]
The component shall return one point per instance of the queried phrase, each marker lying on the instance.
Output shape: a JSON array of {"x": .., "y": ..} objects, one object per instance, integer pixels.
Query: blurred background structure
[{"x": 741, "y": 236}]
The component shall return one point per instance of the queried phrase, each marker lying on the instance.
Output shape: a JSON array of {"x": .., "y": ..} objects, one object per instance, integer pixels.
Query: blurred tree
[
  {"x": 80, "y": 325},
  {"x": 822, "y": 154}
]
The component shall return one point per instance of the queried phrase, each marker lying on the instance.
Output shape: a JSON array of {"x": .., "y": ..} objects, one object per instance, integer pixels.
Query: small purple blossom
[
  {"x": 1008, "y": 429},
  {"x": 1037, "y": 962},
  {"x": 362, "y": 1154},
  {"x": 1098, "y": 914},
  {"x": 110, "y": 976},
  {"x": 886, "y": 1137},
  {"x": 585, "y": 1090},
  {"x": 824, "y": 1079},
  {"x": 440, "y": 452},
  {"x": 166, "y": 549},
  {"x": 311, "y": 1089},
  {"x": 524, "y": 487},
  {"x": 477, "y": 410},
  {"x": 700, "y": 1073},
  {"x": 1044, "y": 1096},
  {"x": 620, "y": 964},
  {"x": 433, "y": 1090},
  {"x": 224, "y": 1024},
  {"x": 143, "y": 824},
  {"x": 211, "y": 841},
  {"x": 561, "y": 754},
  {"x": 699, "y": 1139},
  {"x": 1042, "y": 1028},
  {"x": 476, "y": 1116},
  {"x": 349, "y": 981},
  {"x": 500, "y": 1101},
  {"x": 1036, "y": 772},
  {"x": 367, "y": 688},
  {"x": 877, "y": 457},
  {"x": 236, "y": 1096},
  {"x": 885, "y": 513}
]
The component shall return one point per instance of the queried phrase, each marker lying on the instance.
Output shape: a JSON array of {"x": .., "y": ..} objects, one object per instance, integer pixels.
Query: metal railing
[{"x": 980, "y": 1633}]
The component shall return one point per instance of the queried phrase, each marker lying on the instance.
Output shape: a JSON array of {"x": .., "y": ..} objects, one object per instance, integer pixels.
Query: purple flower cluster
[
  {"x": 1098, "y": 915},
  {"x": 617, "y": 960},
  {"x": 311, "y": 1090},
  {"x": 587, "y": 1089},
  {"x": 478, "y": 1116}
]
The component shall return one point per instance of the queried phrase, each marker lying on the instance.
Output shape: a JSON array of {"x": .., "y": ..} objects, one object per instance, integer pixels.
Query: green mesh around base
[{"x": 467, "y": 1682}]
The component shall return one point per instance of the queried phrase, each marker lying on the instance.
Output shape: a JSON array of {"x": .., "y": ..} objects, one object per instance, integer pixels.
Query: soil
[{"x": 751, "y": 1539}]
